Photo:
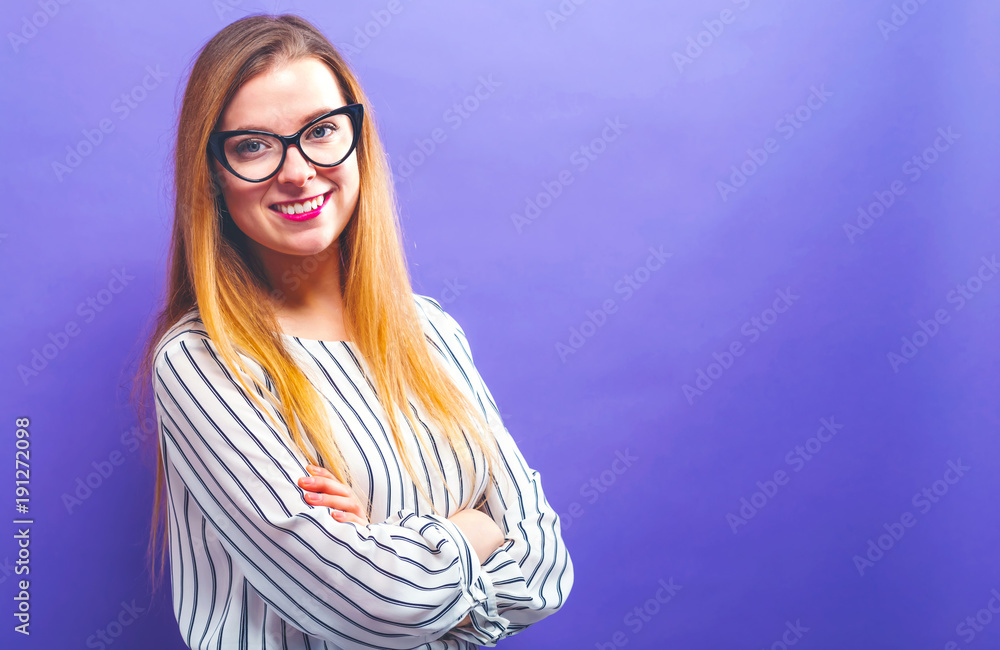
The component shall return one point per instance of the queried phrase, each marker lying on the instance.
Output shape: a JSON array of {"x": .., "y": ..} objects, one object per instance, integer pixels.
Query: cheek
[
  {"x": 354, "y": 181},
  {"x": 242, "y": 195},
  {"x": 347, "y": 180}
]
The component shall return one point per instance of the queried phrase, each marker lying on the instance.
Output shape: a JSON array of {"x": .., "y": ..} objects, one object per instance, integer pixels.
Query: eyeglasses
[{"x": 256, "y": 156}]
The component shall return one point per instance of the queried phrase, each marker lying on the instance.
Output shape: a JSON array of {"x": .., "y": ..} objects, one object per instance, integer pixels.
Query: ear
[{"x": 216, "y": 179}]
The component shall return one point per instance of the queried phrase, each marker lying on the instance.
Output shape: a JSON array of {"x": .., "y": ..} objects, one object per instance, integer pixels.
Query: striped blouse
[{"x": 253, "y": 565}]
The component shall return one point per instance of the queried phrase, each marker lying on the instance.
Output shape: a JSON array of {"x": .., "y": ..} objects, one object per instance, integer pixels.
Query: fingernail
[
  {"x": 312, "y": 497},
  {"x": 306, "y": 480}
]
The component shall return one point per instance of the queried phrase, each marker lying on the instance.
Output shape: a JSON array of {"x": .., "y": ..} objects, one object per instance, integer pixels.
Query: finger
[
  {"x": 322, "y": 484},
  {"x": 322, "y": 472},
  {"x": 343, "y": 504},
  {"x": 339, "y": 503},
  {"x": 347, "y": 516},
  {"x": 315, "y": 470}
]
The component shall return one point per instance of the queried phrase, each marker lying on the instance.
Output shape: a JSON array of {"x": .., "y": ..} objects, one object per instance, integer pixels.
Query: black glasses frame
[{"x": 216, "y": 141}]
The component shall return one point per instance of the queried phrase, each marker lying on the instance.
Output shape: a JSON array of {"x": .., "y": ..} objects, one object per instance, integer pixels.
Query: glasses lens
[
  {"x": 253, "y": 156},
  {"x": 328, "y": 141}
]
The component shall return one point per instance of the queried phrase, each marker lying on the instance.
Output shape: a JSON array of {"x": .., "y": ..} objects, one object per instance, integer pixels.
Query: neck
[{"x": 303, "y": 283}]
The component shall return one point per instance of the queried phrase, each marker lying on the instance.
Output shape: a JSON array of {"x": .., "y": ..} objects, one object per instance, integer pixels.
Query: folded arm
[
  {"x": 396, "y": 584},
  {"x": 529, "y": 576}
]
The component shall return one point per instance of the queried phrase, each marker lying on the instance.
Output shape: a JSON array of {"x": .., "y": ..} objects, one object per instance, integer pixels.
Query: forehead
[{"x": 283, "y": 98}]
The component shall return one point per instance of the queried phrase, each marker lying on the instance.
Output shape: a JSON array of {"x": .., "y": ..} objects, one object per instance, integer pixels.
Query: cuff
[
  {"x": 506, "y": 580},
  {"x": 438, "y": 532},
  {"x": 501, "y": 577},
  {"x": 486, "y": 625}
]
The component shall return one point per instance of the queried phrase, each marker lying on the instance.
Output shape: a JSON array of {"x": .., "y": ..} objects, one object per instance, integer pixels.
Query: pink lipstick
[{"x": 303, "y": 216}]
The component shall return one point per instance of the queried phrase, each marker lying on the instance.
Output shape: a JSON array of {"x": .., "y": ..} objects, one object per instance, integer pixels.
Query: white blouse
[{"x": 253, "y": 565}]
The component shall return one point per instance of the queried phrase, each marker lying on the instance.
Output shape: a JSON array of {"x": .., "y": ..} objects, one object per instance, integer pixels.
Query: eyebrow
[{"x": 309, "y": 118}]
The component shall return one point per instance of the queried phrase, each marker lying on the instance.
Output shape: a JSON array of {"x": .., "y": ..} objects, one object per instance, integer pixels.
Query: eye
[
  {"x": 250, "y": 147},
  {"x": 324, "y": 130}
]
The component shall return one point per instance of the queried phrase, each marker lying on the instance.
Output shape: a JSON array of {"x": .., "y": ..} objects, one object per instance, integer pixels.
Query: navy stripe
[{"x": 293, "y": 572}]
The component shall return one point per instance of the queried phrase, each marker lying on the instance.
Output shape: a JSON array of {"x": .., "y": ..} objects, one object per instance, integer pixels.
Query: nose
[{"x": 296, "y": 169}]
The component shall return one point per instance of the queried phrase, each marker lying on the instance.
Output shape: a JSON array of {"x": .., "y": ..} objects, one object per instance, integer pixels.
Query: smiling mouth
[{"x": 303, "y": 206}]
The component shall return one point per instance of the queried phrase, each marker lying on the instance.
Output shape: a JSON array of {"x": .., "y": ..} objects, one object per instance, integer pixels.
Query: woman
[{"x": 333, "y": 470}]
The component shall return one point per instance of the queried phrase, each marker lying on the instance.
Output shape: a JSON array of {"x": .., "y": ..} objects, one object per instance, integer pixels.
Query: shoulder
[
  {"x": 435, "y": 316},
  {"x": 189, "y": 329},
  {"x": 440, "y": 327}
]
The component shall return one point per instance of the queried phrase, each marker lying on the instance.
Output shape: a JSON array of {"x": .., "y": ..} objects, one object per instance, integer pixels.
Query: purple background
[{"x": 521, "y": 291}]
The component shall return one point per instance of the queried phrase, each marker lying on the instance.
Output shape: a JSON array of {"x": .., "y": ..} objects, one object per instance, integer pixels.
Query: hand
[
  {"x": 322, "y": 489},
  {"x": 482, "y": 532}
]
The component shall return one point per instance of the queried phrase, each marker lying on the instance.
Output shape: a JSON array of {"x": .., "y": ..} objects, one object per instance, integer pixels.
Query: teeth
[{"x": 299, "y": 208}]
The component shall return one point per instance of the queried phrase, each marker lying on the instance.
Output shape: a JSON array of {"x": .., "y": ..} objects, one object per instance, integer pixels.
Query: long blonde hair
[{"x": 210, "y": 268}]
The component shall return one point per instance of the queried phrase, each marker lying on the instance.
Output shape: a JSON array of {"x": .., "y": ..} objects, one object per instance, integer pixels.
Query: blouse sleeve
[
  {"x": 530, "y": 575},
  {"x": 396, "y": 584}
]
